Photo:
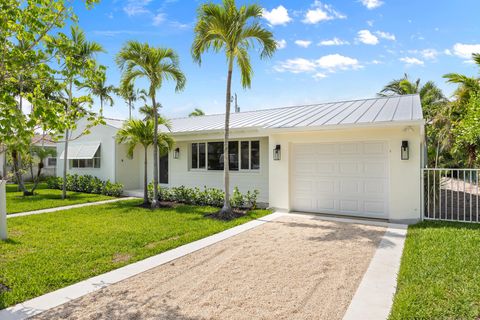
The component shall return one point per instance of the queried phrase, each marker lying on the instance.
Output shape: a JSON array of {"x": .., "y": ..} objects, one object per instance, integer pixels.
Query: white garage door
[{"x": 341, "y": 178}]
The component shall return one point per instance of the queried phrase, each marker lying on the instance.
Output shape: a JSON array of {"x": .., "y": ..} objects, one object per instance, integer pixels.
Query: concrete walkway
[{"x": 73, "y": 206}]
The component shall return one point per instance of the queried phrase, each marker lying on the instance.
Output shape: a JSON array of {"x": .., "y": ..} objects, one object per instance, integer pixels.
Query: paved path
[{"x": 80, "y": 205}]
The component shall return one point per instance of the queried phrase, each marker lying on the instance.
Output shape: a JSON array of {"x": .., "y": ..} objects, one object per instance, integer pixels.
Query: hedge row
[
  {"x": 206, "y": 197},
  {"x": 87, "y": 184}
]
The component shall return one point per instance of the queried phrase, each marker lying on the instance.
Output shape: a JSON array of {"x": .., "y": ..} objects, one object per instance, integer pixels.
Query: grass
[
  {"x": 46, "y": 198},
  {"x": 53, "y": 250},
  {"x": 440, "y": 273}
]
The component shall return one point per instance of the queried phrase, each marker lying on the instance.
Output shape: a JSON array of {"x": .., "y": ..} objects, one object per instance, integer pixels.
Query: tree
[
  {"x": 97, "y": 87},
  {"x": 196, "y": 113},
  {"x": 466, "y": 85},
  {"x": 233, "y": 30},
  {"x": 131, "y": 95},
  {"x": 40, "y": 153},
  {"x": 140, "y": 60},
  {"x": 148, "y": 112},
  {"x": 467, "y": 131},
  {"x": 135, "y": 132},
  {"x": 434, "y": 105},
  {"x": 75, "y": 56}
]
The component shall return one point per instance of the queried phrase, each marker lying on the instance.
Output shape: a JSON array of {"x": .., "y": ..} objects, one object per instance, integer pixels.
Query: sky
[{"x": 327, "y": 50}]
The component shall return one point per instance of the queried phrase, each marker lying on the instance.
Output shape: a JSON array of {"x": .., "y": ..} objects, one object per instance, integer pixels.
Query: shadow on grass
[{"x": 446, "y": 225}]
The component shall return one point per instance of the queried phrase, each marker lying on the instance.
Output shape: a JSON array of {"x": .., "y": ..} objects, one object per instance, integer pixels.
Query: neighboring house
[
  {"x": 347, "y": 158},
  {"x": 50, "y": 163}
]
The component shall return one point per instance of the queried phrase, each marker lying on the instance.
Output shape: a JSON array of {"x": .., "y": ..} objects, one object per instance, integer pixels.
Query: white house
[{"x": 357, "y": 158}]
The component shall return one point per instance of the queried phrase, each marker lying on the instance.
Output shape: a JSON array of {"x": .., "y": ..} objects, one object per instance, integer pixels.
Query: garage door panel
[{"x": 342, "y": 178}]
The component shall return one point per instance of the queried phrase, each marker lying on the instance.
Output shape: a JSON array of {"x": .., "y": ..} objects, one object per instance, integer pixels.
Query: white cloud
[
  {"x": 303, "y": 43},
  {"x": 333, "y": 42},
  {"x": 333, "y": 62},
  {"x": 465, "y": 51},
  {"x": 372, "y": 4},
  {"x": 447, "y": 52},
  {"x": 297, "y": 65},
  {"x": 318, "y": 68},
  {"x": 412, "y": 61},
  {"x": 366, "y": 37},
  {"x": 321, "y": 12},
  {"x": 277, "y": 16},
  {"x": 281, "y": 44},
  {"x": 136, "y": 7},
  {"x": 370, "y": 23},
  {"x": 385, "y": 35},
  {"x": 429, "y": 54},
  {"x": 158, "y": 19},
  {"x": 376, "y": 62}
]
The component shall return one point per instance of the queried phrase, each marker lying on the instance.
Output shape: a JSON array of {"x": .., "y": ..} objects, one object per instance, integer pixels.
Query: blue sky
[{"x": 330, "y": 50}]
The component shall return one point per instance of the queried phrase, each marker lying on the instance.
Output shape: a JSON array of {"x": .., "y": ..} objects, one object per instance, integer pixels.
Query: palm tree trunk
[
  {"x": 129, "y": 110},
  {"x": 101, "y": 106},
  {"x": 155, "y": 202},
  {"x": 65, "y": 151},
  {"x": 227, "y": 209},
  {"x": 145, "y": 178}
]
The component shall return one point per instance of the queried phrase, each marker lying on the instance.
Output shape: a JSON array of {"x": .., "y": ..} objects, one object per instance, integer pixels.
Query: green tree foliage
[
  {"x": 233, "y": 30},
  {"x": 137, "y": 132},
  {"x": 28, "y": 37},
  {"x": 131, "y": 95},
  {"x": 196, "y": 113},
  {"x": 156, "y": 65},
  {"x": 467, "y": 132},
  {"x": 97, "y": 86}
]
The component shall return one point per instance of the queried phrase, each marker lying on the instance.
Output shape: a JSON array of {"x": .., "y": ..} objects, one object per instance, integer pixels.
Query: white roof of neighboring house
[{"x": 381, "y": 110}]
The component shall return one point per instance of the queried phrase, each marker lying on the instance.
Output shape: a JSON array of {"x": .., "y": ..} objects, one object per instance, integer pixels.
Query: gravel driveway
[{"x": 296, "y": 267}]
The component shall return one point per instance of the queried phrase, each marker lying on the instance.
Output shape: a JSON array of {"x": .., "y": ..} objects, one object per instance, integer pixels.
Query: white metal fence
[{"x": 451, "y": 194}]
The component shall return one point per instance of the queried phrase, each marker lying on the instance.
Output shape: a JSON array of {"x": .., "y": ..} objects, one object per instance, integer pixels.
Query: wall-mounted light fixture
[
  {"x": 405, "y": 150},
  {"x": 277, "y": 154},
  {"x": 176, "y": 153}
]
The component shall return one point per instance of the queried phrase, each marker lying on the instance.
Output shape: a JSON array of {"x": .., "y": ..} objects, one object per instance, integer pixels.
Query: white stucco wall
[
  {"x": 127, "y": 169},
  {"x": 180, "y": 173},
  {"x": 404, "y": 176},
  {"x": 103, "y": 134}
]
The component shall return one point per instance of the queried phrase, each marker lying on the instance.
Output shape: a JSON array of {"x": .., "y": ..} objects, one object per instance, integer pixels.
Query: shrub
[
  {"x": 207, "y": 197},
  {"x": 87, "y": 184}
]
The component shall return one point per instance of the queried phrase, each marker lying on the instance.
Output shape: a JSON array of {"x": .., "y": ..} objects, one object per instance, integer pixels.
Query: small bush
[
  {"x": 87, "y": 184},
  {"x": 206, "y": 197}
]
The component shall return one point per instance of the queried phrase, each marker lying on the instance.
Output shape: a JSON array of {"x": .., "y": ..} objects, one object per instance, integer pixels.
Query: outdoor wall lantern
[
  {"x": 176, "y": 153},
  {"x": 405, "y": 152},
  {"x": 277, "y": 153}
]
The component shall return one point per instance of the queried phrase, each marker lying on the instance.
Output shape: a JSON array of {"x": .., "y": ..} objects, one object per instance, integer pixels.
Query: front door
[{"x": 163, "y": 167}]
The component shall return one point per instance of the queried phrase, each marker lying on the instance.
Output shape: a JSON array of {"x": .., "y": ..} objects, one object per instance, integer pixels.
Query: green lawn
[
  {"x": 46, "y": 198},
  {"x": 53, "y": 250},
  {"x": 440, "y": 273}
]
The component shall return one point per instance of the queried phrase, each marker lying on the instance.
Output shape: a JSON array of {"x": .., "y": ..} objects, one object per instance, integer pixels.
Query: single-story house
[{"x": 357, "y": 158}]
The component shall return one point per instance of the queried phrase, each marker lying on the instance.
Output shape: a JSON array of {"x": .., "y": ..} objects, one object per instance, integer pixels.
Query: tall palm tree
[
  {"x": 100, "y": 89},
  {"x": 233, "y": 30},
  {"x": 196, "y": 113},
  {"x": 148, "y": 112},
  {"x": 140, "y": 60},
  {"x": 131, "y": 95},
  {"x": 75, "y": 53},
  {"x": 137, "y": 132}
]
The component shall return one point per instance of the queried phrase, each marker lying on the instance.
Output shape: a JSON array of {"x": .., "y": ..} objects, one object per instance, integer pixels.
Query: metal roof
[{"x": 380, "y": 110}]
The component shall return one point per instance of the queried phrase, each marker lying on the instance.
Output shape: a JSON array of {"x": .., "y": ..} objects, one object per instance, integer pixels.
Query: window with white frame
[
  {"x": 243, "y": 155},
  {"x": 87, "y": 163}
]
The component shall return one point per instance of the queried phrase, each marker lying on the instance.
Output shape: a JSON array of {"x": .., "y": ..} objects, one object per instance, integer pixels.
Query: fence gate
[{"x": 451, "y": 194}]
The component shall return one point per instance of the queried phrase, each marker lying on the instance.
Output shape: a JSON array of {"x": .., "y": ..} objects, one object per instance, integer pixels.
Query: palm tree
[
  {"x": 224, "y": 27},
  {"x": 131, "y": 95},
  {"x": 135, "y": 132},
  {"x": 98, "y": 88},
  {"x": 196, "y": 113},
  {"x": 75, "y": 53},
  {"x": 148, "y": 112},
  {"x": 431, "y": 96},
  {"x": 466, "y": 85},
  {"x": 140, "y": 60}
]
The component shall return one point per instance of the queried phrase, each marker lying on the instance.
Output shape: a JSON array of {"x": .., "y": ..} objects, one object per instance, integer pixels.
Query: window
[
  {"x": 87, "y": 163},
  {"x": 51, "y": 162},
  {"x": 198, "y": 156},
  {"x": 244, "y": 155}
]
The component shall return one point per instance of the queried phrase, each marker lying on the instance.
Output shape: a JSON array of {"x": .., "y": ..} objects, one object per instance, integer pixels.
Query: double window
[
  {"x": 243, "y": 155},
  {"x": 87, "y": 163}
]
